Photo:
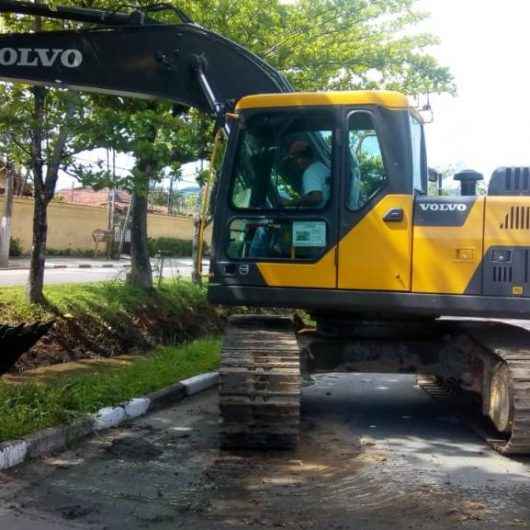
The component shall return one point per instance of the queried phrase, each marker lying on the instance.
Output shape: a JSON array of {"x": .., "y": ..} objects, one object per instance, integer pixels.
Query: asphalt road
[
  {"x": 375, "y": 453},
  {"x": 173, "y": 268}
]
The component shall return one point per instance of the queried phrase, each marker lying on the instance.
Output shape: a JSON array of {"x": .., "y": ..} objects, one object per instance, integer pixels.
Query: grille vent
[
  {"x": 518, "y": 218},
  {"x": 506, "y": 272},
  {"x": 502, "y": 274},
  {"x": 510, "y": 181},
  {"x": 517, "y": 179}
]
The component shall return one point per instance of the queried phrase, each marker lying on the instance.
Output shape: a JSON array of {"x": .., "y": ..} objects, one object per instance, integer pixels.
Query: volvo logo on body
[
  {"x": 443, "y": 207},
  {"x": 48, "y": 57}
]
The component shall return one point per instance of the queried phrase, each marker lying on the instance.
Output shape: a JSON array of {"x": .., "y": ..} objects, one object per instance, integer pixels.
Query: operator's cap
[{"x": 298, "y": 146}]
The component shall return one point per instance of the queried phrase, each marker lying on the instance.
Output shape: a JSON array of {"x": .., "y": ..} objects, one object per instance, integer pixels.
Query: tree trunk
[
  {"x": 141, "y": 274},
  {"x": 40, "y": 217},
  {"x": 44, "y": 190},
  {"x": 38, "y": 250},
  {"x": 5, "y": 223}
]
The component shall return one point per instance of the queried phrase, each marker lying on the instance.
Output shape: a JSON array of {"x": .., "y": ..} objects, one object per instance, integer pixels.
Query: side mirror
[{"x": 434, "y": 175}]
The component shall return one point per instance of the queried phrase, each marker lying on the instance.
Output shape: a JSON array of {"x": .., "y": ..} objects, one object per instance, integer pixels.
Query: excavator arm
[{"x": 133, "y": 55}]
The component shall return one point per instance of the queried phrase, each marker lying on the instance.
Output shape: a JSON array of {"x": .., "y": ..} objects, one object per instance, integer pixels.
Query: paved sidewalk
[{"x": 78, "y": 270}]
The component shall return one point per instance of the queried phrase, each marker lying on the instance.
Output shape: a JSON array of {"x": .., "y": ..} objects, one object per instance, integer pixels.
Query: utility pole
[
  {"x": 170, "y": 193},
  {"x": 5, "y": 223}
]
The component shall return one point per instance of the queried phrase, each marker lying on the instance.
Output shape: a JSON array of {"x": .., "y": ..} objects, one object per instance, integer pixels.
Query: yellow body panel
[
  {"x": 376, "y": 255},
  {"x": 507, "y": 222},
  {"x": 321, "y": 274},
  {"x": 383, "y": 98},
  {"x": 445, "y": 258}
]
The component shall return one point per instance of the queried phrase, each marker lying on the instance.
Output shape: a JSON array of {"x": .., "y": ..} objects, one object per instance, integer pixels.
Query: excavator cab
[
  {"x": 316, "y": 195},
  {"x": 323, "y": 205}
]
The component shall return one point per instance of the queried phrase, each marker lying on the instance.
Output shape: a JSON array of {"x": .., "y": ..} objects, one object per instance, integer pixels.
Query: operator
[
  {"x": 315, "y": 189},
  {"x": 315, "y": 193}
]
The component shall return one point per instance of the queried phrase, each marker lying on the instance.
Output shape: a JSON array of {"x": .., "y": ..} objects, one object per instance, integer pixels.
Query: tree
[
  {"x": 39, "y": 124},
  {"x": 333, "y": 44},
  {"x": 156, "y": 139}
]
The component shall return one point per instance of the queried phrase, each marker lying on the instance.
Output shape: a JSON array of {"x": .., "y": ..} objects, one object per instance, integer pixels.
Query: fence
[{"x": 70, "y": 226}]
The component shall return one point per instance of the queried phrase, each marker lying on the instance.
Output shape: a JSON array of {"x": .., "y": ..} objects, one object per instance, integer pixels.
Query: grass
[
  {"x": 111, "y": 318},
  {"x": 114, "y": 295},
  {"x": 27, "y": 407}
]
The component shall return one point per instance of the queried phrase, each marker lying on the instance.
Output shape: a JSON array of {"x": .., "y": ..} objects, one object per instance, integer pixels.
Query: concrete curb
[
  {"x": 88, "y": 266},
  {"x": 56, "y": 439},
  {"x": 78, "y": 266}
]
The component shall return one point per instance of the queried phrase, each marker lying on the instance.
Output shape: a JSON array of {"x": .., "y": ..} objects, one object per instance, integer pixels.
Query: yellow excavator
[{"x": 322, "y": 205}]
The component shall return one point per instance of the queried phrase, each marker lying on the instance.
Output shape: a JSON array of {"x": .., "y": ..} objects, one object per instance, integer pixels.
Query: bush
[
  {"x": 72, "y": 252},
  {"x": 169, "y": 246},
  {"x": 15, "y": 248}
]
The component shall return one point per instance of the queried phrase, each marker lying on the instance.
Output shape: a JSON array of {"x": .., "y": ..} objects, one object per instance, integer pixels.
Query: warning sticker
[{"x": 309, "y": 234}]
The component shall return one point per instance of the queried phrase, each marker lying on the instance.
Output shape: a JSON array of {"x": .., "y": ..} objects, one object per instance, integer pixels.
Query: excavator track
[
  {"x": 505, "y": 349},
  {"x": 260, "y": 384}
]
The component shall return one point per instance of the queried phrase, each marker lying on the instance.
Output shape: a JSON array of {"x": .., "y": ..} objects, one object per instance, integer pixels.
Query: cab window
[
  {"x": 366, "y": 174},
  {"x": 416, "y": 134},
  {"x": 284, "y": 161}
]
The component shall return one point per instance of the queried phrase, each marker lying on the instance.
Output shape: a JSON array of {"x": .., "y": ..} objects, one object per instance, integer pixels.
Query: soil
[{"x": 90, "y": 336}]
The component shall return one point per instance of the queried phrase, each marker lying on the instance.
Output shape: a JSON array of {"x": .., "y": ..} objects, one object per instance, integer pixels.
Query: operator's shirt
[{"x": 317, "y": 177}]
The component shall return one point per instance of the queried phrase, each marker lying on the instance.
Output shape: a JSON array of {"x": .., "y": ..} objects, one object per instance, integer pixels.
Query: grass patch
[
  {"x": 114, "y": 295},
  {"x": 27, "y": 407}
]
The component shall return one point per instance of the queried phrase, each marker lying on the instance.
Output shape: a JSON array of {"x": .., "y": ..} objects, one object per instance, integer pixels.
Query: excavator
[{"x": 321, "y": 205}]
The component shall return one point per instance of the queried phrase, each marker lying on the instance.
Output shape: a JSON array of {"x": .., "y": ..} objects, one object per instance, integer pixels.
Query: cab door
[
  {"x": 266, "y": 235},
  {"x": 375, "y": 226}
]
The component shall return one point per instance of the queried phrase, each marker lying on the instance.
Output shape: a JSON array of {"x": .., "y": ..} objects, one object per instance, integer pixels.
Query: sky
[
  {"x": 124, "y": 163},
  {"x": 486, "y": 44}
]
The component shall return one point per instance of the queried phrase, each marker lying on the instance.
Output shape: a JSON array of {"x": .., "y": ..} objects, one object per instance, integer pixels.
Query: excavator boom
[{"x": 132, "y": 55}]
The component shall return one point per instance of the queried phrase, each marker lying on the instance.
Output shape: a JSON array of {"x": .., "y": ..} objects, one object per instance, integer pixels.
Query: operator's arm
[
  {"x": 315, "y": 186},
  {"x": 312, "y": 199}
]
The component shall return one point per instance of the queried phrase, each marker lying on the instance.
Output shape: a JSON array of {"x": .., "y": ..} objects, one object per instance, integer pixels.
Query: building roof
[{"x": 92, "y": 197}]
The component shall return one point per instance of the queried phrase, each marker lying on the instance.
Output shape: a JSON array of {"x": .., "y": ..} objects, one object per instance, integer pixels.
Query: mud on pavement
[{"x": 374, "y": 454}]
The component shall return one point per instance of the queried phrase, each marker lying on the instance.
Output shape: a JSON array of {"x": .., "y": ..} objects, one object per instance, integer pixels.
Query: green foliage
[
  {"x": 332, "y": 44},
  {"x": 71, "y": 252},
  {"x": 15, "y": 248},
  {"x": 157, "y": 140},
  {"x": 27, "y": 407},
  {"x": 373, "y": 175}
]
